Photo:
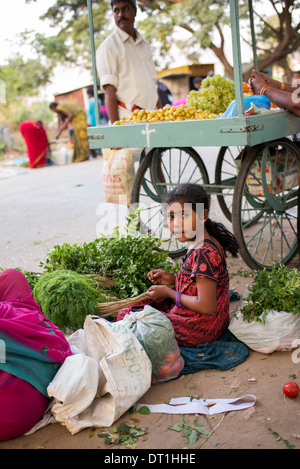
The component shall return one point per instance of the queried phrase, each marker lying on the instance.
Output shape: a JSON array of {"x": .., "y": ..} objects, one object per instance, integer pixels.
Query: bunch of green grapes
[{"x": 215, "y": 95}]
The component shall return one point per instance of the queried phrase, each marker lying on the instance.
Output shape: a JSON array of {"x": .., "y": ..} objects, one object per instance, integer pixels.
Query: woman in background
[
  {"x": 37, "y": 143},
  {"x": 70, "y": 113}
]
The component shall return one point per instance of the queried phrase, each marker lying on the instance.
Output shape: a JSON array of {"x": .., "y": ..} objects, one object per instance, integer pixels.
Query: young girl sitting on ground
[{"x": 198, "y": 307}]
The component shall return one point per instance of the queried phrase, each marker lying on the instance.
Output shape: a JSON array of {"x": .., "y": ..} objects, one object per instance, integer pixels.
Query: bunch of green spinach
[
  {"x": 125, "y": 258},
  {"x": 277, "y": 289}
]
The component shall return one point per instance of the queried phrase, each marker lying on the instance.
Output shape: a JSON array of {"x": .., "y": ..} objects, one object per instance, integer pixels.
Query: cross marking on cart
[{"x": 147, "y": 132}]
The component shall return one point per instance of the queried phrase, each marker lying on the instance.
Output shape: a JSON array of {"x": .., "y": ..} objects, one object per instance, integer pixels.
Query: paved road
[{"x": 48, "y": 206}]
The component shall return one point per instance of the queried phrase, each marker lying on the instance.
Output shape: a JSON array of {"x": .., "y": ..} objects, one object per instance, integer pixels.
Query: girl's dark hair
[{"x": 194, "y": 194}]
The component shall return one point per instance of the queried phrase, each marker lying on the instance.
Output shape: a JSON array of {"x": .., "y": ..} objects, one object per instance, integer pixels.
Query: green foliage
[
  {"x": 23, "y": 77},
  {"x": 67, "y": 297},
  {"x": 202, "y": 22},
  {"x": 72, "y": 42},
  {"x": 286, "y": 442},
  {"x": 278, "y": 289},
  {"x": 125, "y": 434},
  {"x": 125, "y": 258},
  {"x": 205, "y": 22},
  {"x": 52, "y": 47},
  {"x": 191, "y": 432}
]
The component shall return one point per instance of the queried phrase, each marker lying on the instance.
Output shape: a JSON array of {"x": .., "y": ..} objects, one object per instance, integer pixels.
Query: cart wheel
[
  {"x": 161, "y": 170},
  {"x": 225, "y": 177},
  {"x": 268, "y": 180}
]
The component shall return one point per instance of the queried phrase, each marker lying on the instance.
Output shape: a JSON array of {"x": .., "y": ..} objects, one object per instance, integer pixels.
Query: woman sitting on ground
[{"x": 32, "y": 350}]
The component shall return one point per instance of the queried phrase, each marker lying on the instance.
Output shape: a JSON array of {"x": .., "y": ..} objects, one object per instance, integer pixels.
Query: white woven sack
[
  {"x": 95, "y": 387},
  {"x": 280, "y": 332}
]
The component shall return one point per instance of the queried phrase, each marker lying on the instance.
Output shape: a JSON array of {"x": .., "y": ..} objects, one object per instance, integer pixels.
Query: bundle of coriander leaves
[
  {"x": 277, "y": 289},
  {"x": 124, "y": 258}
]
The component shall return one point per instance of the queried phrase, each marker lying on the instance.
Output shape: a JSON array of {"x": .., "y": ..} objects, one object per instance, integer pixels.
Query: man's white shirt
[{"x": 128, "y": 66}]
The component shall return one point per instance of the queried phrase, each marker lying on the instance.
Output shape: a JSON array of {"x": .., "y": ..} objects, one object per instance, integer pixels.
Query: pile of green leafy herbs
[
  {"x": 124, "y": 258},
  {"x": 67, "y": 297},
  {"x": 124, "y": 434},
  {"x": 191, "y": 432},
  {"x": 277, "y": 289}
]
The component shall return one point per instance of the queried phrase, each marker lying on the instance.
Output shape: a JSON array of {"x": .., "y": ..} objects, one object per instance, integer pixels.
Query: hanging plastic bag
[
  {"x": 117, "y": 175},
  {"x": 156, "y": 334},
  {"x": 107, "y": 374}
]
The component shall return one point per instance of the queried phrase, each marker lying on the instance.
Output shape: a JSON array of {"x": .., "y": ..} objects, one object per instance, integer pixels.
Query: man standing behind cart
[{"x": 125, "y": 66}]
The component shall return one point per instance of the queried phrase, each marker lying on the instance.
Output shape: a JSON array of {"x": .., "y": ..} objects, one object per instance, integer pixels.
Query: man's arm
[
  {"x": 111, "y": 103},
  {"x": 281, "y": 98}
]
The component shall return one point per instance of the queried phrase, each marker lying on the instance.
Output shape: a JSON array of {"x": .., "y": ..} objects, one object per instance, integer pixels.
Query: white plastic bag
[
  {"x": 117, "y": 175},
  {"x": 281, "y": 331},
  {"x": 155, "y": 332},
  {"x": 108, "y": 373},
  {"x": 62, "y": 155}
]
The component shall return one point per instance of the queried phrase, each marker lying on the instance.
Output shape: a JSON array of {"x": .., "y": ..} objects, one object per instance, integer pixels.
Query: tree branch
[
  {"x": 187, "y": 28},
  {"x": 275, "y": 31}
]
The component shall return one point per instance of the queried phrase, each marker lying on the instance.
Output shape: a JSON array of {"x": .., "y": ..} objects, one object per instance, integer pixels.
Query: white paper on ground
[{"x": 188, "y": 405}]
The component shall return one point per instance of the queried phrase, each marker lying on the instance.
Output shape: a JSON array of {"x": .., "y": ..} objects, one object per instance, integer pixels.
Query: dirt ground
[{"x": 272, "y": 423}]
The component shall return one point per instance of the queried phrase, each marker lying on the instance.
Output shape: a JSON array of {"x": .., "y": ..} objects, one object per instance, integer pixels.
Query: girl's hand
[
  {"x": 161, "y": 277},
  {"x": 157, "y": 292}
]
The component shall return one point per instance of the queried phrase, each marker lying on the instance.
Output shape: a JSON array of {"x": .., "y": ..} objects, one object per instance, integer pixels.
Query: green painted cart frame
[{"x": 263, "y": 183}]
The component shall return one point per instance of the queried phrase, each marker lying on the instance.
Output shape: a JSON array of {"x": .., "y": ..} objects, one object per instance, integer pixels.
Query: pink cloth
[
  {"x": 22, "y": 320},
  {"x": 180, "y": 101},
  {"x": 34, "y": 350},
  {"x": 21, "y": 406}
]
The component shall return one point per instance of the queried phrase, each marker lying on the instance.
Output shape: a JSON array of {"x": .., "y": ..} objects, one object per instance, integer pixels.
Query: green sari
[{"x": 79, "y": 123}]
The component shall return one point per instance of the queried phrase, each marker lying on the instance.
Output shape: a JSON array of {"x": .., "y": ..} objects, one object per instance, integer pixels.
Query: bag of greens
[{"x": 156, "y": 334}]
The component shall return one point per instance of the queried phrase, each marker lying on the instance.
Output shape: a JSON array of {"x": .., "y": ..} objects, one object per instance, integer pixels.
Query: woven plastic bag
[
  {"x": 156, "y": 334},
  {"x": 107, "y": 374},
  {"x": 117, "y": 175}
]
